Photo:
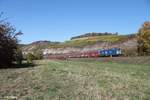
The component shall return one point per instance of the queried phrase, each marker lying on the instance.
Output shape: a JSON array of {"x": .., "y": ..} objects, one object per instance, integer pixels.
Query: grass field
[{"x": 76, "y": 80}]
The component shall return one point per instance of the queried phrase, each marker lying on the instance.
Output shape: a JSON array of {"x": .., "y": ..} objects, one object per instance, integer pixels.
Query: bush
[
  {"x": 38, "y": 55},
  {"x": 30, "y": 58},
  {"x": 18, "y": 56},
  {"x": 130, "y": 52}
]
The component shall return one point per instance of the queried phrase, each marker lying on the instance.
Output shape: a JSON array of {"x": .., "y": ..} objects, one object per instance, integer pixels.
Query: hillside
[
  {"x": 95, "y": 39},
  {"x": 37, "y": 45},
  {"x": 83, "y": 44}
]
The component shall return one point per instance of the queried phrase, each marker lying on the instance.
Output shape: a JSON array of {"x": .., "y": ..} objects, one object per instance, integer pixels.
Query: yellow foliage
[{"x": 144, "y": 39}]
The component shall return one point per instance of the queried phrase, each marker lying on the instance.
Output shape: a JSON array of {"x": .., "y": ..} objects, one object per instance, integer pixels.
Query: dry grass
[{"x": 75, "y": 80}]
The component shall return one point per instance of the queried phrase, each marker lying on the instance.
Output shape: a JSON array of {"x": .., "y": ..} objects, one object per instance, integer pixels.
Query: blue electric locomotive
[{"x": 110, "y": 52}]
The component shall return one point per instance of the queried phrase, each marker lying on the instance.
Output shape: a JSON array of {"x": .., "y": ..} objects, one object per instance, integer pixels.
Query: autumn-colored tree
[
  {"x": 8, "y": 42},
  {"x": 143, "y": 38}
]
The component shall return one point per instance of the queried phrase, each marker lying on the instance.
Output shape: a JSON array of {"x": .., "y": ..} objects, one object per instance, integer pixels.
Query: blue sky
[{"x": 58, "y": 20}]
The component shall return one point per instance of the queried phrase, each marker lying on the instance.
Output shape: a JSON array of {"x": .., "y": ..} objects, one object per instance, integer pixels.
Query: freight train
[{"x": 88, "y": 54}]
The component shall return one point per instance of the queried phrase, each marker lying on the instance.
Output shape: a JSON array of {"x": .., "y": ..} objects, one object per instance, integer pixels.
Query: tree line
[{"x": 93, "y": 34}]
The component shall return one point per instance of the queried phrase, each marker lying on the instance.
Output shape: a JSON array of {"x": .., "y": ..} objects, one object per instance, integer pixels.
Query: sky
[{"x": 59, "y": 20}]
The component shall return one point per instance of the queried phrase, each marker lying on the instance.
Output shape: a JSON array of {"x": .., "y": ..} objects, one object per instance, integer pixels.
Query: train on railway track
[{"x": 88, "y": 54}]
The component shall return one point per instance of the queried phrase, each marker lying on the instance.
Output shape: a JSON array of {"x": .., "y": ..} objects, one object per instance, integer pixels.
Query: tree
[
  {"x": 8, "y": 42},
  {"x": 143, "y": 38}
]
